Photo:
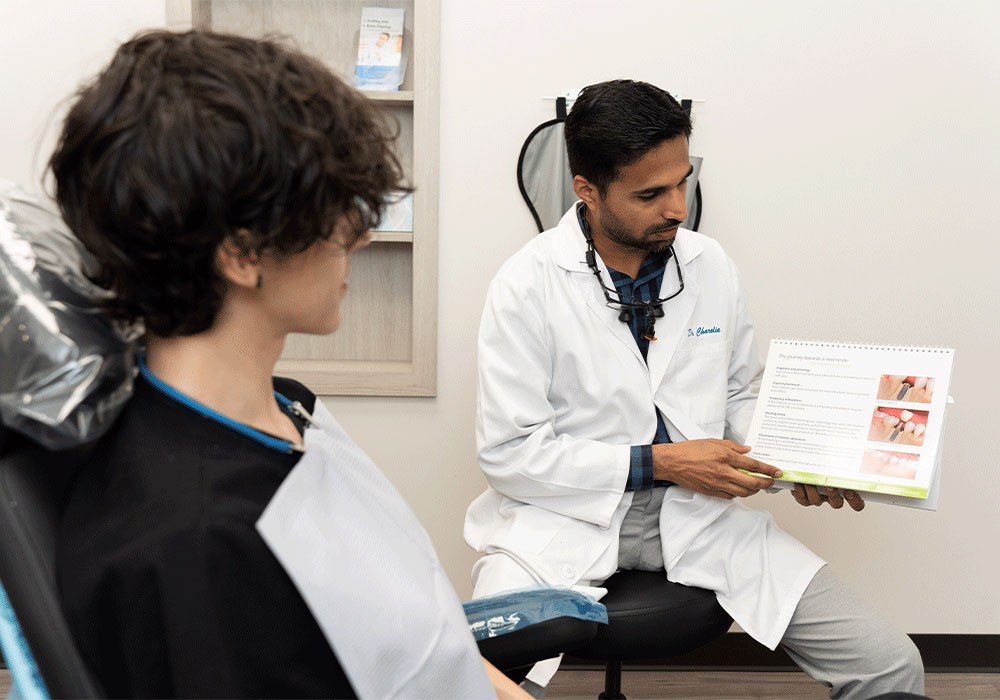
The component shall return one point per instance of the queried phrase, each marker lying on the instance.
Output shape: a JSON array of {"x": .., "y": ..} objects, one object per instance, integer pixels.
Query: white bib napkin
[{"x": 368, "y": 572}]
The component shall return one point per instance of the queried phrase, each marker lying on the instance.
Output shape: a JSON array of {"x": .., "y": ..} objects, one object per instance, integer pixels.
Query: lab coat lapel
[
  {"x": 571, "y": 255},
  {"x": 609, "y": 317},
  {"x": 670, "y": 329}
]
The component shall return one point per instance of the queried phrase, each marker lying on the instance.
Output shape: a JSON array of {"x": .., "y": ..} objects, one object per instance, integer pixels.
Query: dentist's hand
[
  {"x": 712, "y": 467},
  {"x": 809, "y": 495}
]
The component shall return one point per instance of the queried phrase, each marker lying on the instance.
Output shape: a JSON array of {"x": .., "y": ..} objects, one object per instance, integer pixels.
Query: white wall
[
  {"x": 851, "y": 153},
  {"x": 47, "y": 47}
]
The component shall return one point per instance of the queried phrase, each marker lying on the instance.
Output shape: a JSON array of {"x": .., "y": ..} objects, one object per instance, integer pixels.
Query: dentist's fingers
[
  {"x": 854, "y": 500},
  {"x": 809, "y": 495},
  {"x": 834, "y": 498}
]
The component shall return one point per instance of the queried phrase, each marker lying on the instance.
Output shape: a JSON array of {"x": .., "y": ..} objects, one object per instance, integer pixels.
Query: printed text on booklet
[{"x": 863, "y": 417}]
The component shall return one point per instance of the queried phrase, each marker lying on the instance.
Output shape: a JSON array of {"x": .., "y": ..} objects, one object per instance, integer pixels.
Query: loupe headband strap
[{"x": 623, "y": 299}]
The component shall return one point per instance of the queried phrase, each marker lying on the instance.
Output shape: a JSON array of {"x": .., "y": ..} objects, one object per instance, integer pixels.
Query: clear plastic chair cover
[{"x": 66, "y": 370}]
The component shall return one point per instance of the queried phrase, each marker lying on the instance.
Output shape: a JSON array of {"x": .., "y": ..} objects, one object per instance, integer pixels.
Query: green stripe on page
[
  {"x": 855, "y": 484},
  {"x": 803, "y": 477},
  {"x": 900, "y": 490}
]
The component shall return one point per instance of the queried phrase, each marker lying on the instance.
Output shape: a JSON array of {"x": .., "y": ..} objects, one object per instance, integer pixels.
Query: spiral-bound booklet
[{"x": 862, "y": 417}]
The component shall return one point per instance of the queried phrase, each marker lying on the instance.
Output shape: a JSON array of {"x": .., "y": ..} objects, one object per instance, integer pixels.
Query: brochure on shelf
[
  {"x": 398, "y": 213},
  {"x": 380, "y": 63},
  {"x": 862, "y": 417}
]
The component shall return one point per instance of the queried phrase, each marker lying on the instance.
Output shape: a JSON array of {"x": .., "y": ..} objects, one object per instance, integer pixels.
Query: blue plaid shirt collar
[{"x": 645, "y": 286}]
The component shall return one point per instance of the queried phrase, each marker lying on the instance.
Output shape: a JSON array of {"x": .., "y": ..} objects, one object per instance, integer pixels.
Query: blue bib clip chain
[{"x": 201, "y": 409}]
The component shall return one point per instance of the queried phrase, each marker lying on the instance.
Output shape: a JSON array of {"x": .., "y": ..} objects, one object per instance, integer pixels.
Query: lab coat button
[{"x": 568, "y": 572}]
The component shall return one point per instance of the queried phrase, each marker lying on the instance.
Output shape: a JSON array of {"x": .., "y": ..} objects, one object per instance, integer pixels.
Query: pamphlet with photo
[
  {"x": 380, "y": 63},
  {"x": 862, "y": 417}
]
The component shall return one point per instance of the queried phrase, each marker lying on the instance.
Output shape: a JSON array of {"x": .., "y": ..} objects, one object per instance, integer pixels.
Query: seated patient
[{"x": 222, "y": 183}]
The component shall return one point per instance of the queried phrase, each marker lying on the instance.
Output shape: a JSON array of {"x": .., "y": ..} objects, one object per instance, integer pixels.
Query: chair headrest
[{"x": 67, "y": 370}]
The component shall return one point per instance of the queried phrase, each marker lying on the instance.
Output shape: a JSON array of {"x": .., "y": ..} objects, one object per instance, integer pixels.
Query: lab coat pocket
[
  {"x": 574, "y": 548},
  {"x": 696, "y": 383},
  {"x": 533, "y": 528}
]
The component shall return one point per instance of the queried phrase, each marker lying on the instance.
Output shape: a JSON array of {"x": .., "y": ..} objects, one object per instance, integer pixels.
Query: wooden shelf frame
[
  {"x": 389, "y": 96},
  {"x": 392, "y": 236},
  {"x": 397, "y": 256}
]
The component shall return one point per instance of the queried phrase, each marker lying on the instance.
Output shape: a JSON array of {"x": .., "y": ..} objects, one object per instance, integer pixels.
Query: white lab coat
[{"x": 564, "y": 393}]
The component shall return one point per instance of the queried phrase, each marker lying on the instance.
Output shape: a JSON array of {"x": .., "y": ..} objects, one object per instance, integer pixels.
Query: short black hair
[
  {"x": 614, "y": 124},
  {"x": 187, "y": 139}
]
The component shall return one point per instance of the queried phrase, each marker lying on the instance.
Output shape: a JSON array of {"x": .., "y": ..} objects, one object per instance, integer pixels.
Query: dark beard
[{"x": 615, "y": 229}]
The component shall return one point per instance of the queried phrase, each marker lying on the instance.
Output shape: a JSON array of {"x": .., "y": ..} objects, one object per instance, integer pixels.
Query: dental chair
[
  {"x": 46, "y": 662},
  {"x": 33, "y": 484}
]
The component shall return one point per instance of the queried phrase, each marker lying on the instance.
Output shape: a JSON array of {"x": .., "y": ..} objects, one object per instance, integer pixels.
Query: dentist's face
[{"x": 644, "y": 206}]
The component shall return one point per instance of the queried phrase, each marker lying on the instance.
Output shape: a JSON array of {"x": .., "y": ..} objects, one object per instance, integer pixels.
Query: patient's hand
[{"x": 504, "y": 687}]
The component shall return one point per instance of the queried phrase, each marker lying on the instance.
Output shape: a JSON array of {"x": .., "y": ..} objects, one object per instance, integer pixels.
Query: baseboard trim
[{"x": 736, "y": 651}]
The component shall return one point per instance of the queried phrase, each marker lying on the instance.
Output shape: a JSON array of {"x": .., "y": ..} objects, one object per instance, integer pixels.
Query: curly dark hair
[
  {"x": 614, "y": 124},
  {"x": 189, "y": 139}
]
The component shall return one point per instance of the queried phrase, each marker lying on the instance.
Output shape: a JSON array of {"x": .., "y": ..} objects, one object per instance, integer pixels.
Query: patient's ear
[{"x": 236, "y": 260}]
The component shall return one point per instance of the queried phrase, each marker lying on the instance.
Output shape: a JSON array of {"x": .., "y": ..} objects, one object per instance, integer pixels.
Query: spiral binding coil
[{"x": 861, "y": 346}]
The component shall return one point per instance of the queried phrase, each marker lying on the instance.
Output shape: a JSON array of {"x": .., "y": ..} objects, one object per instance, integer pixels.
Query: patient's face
[{"x": 305, "y": 291}]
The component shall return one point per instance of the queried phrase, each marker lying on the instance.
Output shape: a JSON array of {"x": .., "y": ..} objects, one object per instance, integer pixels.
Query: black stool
[
  {"x": 651, "y": 618},
  {"x": 648, "y": 618}
]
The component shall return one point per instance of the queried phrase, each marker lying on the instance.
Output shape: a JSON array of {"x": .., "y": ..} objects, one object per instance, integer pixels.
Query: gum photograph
[
  {"x": 896, "y": 464},
  {"x": 897, "y": 387},
  {"x": 898, "y": 425}
]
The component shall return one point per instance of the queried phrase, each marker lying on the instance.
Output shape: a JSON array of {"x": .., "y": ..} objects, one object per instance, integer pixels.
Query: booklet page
[{"x": 864, "y": 417}]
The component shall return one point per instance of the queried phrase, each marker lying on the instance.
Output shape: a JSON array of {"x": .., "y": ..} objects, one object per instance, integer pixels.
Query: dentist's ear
[
  {"x": 585, "y": 191},
  {"x": 237, "y": 263}
]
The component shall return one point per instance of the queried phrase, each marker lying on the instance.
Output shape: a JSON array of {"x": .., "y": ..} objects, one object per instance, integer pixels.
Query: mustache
[{"x": 669, "y": 224}]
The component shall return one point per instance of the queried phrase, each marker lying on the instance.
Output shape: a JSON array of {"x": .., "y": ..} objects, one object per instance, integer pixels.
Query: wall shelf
[
  {"x": 392, "y": 236},
  {"x": 389, "y": 96},
  {"x": 387, "y": 342}
]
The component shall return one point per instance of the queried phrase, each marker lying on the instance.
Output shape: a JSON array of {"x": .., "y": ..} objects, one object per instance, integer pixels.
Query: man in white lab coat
[{"x": 618, "y": 372}]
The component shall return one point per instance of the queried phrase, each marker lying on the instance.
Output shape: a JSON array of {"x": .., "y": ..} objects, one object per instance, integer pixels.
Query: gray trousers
[{"x": 834, "y": 636}]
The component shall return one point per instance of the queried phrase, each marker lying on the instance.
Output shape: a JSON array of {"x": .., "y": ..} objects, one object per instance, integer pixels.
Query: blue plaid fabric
[{"x": 645, "y": 287}]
